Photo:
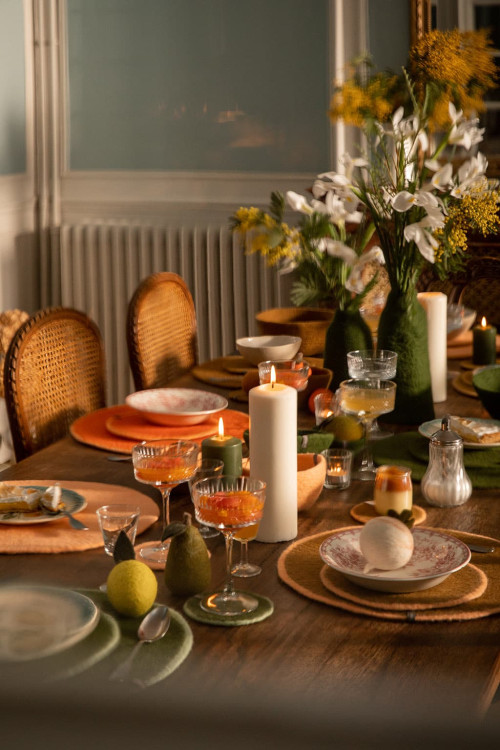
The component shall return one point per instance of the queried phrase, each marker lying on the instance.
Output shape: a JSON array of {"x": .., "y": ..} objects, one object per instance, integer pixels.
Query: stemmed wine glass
[
  {"x": 207, "y": 467},
  {"x": 373, "y": 364},
  {"x": 371, "y": 310},
  {"x": 163, "y": 464},
  {"x": 367, "y": 399},
  {"x": 228, "y": 504},
  {"x": 244, "y": 568}
]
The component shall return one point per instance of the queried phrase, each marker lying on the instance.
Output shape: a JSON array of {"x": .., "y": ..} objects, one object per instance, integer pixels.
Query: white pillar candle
[
  {"x": 273, "y": 457},
  {"x": 435, "y": 305}
]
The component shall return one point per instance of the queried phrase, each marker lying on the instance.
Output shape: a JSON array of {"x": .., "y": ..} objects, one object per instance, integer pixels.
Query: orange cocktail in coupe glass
[
  {"x": 229, "y": 504},
  {"x": 164, "y": 464}
]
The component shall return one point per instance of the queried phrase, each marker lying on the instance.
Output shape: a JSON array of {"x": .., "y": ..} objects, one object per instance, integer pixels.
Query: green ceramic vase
[
  {"x": 346, "y": 333},
  {"x": 403, "y": 329}
]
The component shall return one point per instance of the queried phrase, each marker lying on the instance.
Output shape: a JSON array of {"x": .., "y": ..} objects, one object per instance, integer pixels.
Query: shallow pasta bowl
[
  {"x": 436, "y": 556},
  {"x": 176, "y": 406}
]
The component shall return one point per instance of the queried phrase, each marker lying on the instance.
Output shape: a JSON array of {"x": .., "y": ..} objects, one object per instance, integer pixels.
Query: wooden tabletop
[{"x": 304, "y": 644}]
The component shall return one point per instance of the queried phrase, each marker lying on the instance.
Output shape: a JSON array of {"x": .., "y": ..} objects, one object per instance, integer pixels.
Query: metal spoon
[
  {"x": 480, "y": 548},
  {"x": 118, "y": 457},
  {"x": 152, "y": 628}
]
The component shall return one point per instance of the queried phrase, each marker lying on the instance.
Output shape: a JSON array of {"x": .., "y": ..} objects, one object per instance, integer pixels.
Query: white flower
[
  {"x": 298, "y": 202},
  {"x": 441, "y": 180},
  {"x": 337, "y": 249},
  {"x": 466, "y": 133},
  {"x": 420, "y": 235}
]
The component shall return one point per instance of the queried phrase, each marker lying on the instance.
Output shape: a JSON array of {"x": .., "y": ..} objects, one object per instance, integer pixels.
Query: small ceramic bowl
[
  {"x": 256, "y": 349},
  {"x": 311, "y": 473},
  {"x": 486, "y": 381}
]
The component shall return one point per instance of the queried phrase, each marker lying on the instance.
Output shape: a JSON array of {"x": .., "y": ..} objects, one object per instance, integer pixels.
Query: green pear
[{"x": 187, "y": 570}]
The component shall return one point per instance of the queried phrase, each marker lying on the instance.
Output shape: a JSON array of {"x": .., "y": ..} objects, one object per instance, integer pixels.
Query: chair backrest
[
  {"x": 54, "y": 372},
  {"x": 482, "y": 290},
  {"x": 161, "y": 331}
]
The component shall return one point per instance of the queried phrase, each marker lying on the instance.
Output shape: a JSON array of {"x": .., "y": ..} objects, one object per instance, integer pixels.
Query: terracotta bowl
[
  {"x": 309, "y": 323},
  {"x": 311, "y": 473}
]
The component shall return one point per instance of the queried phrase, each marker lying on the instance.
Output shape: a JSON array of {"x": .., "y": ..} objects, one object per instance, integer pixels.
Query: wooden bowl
[{"x": 310, "y": 323}]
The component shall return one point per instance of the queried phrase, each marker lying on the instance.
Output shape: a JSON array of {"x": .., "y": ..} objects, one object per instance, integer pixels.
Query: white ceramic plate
[
  {"x": 176, "y": 406},
  {"x": 38, "y": 621},
  {"x": 73, "y": 503},
  {"x": 435, "y": 557},
  {"x": 427, "y": 429}
]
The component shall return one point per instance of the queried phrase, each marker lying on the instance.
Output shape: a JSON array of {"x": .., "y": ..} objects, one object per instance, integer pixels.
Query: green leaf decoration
[
  {"x": 124, "y": 549},
  {"x": 405, "y": 517},
  {"x": 172, "y": 530}
]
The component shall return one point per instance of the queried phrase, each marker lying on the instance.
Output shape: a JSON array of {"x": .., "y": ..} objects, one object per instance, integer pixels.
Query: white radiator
[{"x": 96, "y": 268}]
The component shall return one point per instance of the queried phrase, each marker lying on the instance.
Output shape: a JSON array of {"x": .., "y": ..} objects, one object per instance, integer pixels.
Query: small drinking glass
[
  {"x": 207, "y": 467},
  {"x": 338, "y": 468},
  {"x": 229, "y": 504},
  {"x": 292, "y": 372},
  {"x": 115, "y": 518},
  {"x": 393, "y": 489}
]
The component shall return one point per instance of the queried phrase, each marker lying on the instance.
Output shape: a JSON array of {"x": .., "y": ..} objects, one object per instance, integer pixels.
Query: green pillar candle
[
  {"x": 226, "y": 449},
  {"x": 484, "y": 344}
]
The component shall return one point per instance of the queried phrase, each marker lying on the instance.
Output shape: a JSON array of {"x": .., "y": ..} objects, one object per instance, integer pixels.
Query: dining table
[{"x": 306, "y": 645}]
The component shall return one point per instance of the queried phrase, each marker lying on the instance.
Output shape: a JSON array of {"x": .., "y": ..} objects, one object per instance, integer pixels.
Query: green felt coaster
[
  {"x": 412, "y": 449},
  {"x": 193, "y": 609},
  {"x": 155, "y": 661}
]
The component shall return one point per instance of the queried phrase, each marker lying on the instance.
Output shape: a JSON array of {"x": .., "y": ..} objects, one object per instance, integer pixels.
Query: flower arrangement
[
  {"x": 325, "y": 248},
  {"x": 422, "y": 197}
]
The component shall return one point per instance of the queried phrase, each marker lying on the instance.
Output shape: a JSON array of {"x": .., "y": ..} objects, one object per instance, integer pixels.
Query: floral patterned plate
[
  {"x": 435, "y": 557},
  {"x": 176, "y": 406}
]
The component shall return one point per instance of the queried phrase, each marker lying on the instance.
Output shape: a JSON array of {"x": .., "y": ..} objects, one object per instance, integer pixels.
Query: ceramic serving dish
[
  {"x": 176, "y": 406},
  {"x": 436, "y": 556}
]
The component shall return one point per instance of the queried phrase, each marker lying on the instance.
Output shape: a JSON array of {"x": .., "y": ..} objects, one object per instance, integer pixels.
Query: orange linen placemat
[
  {"x": 59, "y": 536},
  {"x": 300, "y": 567},
  {"x": 91, "y": 429}
]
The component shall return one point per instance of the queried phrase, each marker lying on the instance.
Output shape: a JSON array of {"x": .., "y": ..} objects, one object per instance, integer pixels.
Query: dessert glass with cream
[{"x": 393, "y": 489}]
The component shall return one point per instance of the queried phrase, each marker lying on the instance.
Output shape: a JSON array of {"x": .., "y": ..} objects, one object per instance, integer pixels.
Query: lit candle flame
[
  {"x": 483, "y": 322},
  {"x": 273, "y": 376},
  {"x": 221, "y": 427}
]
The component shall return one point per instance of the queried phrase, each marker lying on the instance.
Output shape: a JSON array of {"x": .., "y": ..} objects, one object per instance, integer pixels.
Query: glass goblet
[
  {"x": 229, "y": 504},
  {"x": 207, "y": 467},
  {"x": 244, "y": 568},
  {"x": 371, "y": 310},
  {"x": 163, "y": 464},
  {"x": 367, "y": 400},
  {"x": 373, "y": 364}
]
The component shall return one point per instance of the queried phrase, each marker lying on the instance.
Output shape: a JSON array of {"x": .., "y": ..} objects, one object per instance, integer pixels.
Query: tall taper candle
[
  {"x": 435, "y": 306},
  {"x": 273, "y": 457}
]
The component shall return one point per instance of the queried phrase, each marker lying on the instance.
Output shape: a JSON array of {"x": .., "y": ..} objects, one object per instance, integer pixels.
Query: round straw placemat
[
  {"x": 300, "y": 567},
  {"x": 214, "y": 372},
  {"x": 467, "y": 584},
  {"x": 363, "y": 512}
]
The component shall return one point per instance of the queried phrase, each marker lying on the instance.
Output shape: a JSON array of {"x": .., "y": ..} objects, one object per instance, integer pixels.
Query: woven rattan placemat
[
  {"x": 300, "y": 567},
  {"x": 363, "y": 512},
  {"x": 214, "y": 372}
]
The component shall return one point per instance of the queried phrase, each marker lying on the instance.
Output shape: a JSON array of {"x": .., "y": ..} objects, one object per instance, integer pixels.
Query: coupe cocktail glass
[
  {"x": 229, "y": 504},
  {"x": 376, "y": 365},
  {"x": 164, "y": 464},
  {"x": 207, "y": 467},
  {"x": 244, "y": 568},
  {"x": 367, "y": 400}
]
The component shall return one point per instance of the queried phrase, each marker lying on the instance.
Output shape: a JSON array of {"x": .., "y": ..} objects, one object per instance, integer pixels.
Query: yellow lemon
[
  {"x": 132, "y": 588},
  {"x": 344, "y": 427}
]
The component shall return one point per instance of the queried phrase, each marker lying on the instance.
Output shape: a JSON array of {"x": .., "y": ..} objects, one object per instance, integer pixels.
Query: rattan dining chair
[
  {"x": 54, "y": 372},
  {"x": 482, "y": 290},
  {"x": 161, "y": 331}
]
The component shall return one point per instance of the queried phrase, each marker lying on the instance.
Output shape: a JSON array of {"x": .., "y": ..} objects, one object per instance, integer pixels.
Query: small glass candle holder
[
  {"x": 325, "y": 405},
  {"x": 289, "y": 372},
  {"x": 338, "y": 468}
]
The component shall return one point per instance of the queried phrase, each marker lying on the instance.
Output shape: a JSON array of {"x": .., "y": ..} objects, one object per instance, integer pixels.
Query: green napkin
[{"x": 412, "y": 449}]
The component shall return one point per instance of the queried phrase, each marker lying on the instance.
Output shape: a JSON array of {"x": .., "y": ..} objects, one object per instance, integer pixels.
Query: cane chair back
[
  {"x": 54, "y": 373},
  {"x": 161, "y": 331},
  {"x": 482, "y": 291}
]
